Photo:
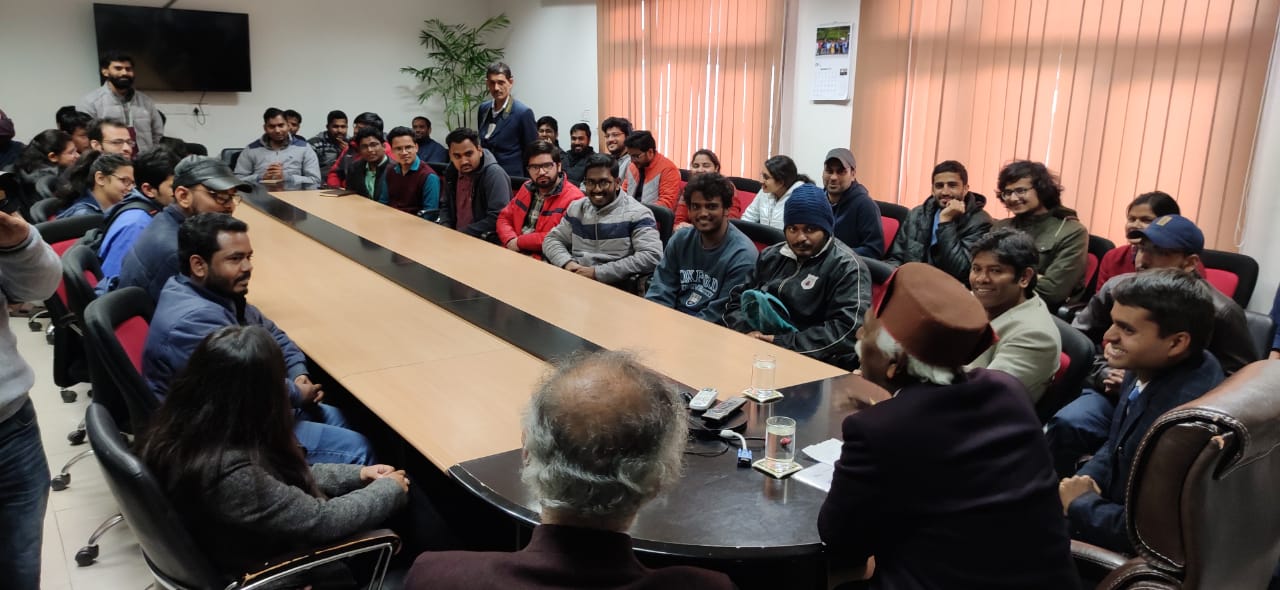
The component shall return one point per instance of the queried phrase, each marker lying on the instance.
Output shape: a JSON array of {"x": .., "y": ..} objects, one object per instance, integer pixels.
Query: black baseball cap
[{"x": 213, "y": 173}]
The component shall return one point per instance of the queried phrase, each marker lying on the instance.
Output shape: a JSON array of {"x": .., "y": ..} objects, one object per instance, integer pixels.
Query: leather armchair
[{"x": 1199, "y": 508}]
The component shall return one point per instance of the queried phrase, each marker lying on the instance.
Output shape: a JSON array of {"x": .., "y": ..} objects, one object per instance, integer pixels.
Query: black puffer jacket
[
  {"x": 955, "y": 239},
  {"x": 826, "y": 297}
]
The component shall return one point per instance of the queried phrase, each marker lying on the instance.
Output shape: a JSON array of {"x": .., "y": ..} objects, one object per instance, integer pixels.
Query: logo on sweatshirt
[{"x": 809, "y": 282}]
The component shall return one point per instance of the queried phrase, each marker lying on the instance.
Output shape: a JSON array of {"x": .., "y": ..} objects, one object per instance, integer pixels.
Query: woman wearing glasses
[
  {"x": 1032, "y": 194},
  {"x": 94, "y": 184}
]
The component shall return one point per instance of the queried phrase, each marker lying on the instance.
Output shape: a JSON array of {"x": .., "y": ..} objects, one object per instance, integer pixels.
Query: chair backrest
[
  {"x": 880, "y": 273},
  {"x": 62, "y": 233},
  {"x": 81, "y": 272},
  {"x": 1221, "y": 267},
  {"x": 1098, "y": 247},
  {"x": 166, "y": 543},
  {"x": 1262, "y": 329},
  {"x": 516, "y": 183},
  {"x": 116, "y": 327},
  {"x": 892, "y": 216},
  {"x": 1199, "y": 505},
  {"x": 438, "y": 167},
  {"x": 1078, "y": 351},
  {"x": 232, "y": 155},
  {"x": 745, "y": 184},
  {"x": 684, "y": 175},
  {"x": 763, "y": 235},
  {"x": 666, "y": 220},
  {"x": 197, "y": 149}
]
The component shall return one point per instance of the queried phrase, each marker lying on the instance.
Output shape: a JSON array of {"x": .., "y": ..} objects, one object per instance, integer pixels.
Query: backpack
[{"x": 94, "y": 237}]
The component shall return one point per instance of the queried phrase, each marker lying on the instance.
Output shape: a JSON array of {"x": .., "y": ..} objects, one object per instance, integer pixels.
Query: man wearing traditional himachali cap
[{"x": 953, "y": 468}]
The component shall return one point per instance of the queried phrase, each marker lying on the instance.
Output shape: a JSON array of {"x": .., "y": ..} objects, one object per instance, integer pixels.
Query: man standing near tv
[{"x": 117, "y": 98}]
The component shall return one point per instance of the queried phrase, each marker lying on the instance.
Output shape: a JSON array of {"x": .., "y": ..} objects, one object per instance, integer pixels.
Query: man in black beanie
[{"x": 809, "y": 293}]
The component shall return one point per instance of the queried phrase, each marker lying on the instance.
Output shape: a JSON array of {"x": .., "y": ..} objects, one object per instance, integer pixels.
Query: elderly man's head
[
  {"x": 603, "y": 435},
  {"x": 925, "y": 329}
]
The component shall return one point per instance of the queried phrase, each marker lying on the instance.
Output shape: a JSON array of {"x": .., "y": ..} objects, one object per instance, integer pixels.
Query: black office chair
[
  {"x": 1077, "y": 355},
  {"x": 665, "y": 219},
  {"x": 1262, "y": 329},
  {"x": 45, "y": 208},
  {"x": 197, "y": 149},
  {"x": 516, "y": 183},
  {"x": 892, "y": 216},
  {"x": 439, "y": 168},
  {"x": 231, "y": 156},
  {"x": 684, "y": 175},
  {"x": 170, "y": 552},
  {"x": 763, "y": 235},
  {"x": 745, "y": 184},
  {"x": 1098, "y": 247},
  {"x": 69, "y": 359},
  {"x": 81, "y": 272},
  {"x": 1232, "y": 273},
  {"x": 116, "y": 327}
]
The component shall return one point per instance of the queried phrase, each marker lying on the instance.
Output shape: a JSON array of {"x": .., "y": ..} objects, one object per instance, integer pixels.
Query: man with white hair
[
  {"x": 953, "y": 469},
  {"x": 602, "y": 436}
]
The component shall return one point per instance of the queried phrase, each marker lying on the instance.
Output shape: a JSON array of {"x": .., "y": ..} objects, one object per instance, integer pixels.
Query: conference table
[{"x": 444, "y": 337}]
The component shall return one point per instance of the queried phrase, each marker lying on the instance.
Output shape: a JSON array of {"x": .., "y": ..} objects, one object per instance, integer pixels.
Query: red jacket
[
  {"x": 661, "y": 177},
  {"x": 511, "y": 218}
]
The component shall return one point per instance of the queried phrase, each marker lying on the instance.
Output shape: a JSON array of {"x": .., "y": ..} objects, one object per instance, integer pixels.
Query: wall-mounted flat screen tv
[{"x": 178, "y": 50}]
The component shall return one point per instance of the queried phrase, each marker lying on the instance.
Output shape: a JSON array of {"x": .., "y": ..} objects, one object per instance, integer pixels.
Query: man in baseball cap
[
  {"x": 200, "y": 185},
  {"x": 1170, "y": 241},
  {"x": 952, "y": 455},
  {"x": 857, "y": 216}
]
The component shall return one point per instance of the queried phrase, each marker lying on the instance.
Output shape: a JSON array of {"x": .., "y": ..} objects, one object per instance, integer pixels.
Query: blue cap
[
  {"x": 1172, "y": 232},
  {"x": 808, "y": 205}
]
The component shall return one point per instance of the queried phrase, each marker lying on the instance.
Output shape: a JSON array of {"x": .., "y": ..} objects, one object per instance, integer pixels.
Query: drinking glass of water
[
  {"x": 780, "y": 442},
  {"x": 763, "y": 367}
]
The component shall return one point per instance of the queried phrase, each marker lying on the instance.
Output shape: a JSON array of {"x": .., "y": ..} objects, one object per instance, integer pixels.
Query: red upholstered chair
[
  {"x": 1098, "y": 247},
  {"x": 892, "y": 216},
  {"x": 1234, "y": 274}
]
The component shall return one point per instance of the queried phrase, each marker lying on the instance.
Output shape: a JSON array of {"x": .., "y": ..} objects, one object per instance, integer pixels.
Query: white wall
[
  {"x": 551, "y": 48},
  {"x": 1262, "y": 208},
  {"x": 309, "y": 55},
  {"x": 810, "y": 129}
]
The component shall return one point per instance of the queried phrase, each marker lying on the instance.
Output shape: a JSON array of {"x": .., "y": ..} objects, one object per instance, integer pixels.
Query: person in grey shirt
[
  {"x": 279, "y": 163},
  {"x": 29, "y": 271},
  {"x": 116, "y": 98}
]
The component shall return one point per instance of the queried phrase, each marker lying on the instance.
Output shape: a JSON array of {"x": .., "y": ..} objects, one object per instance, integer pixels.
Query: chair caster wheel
[
  {"x": 35, "y": 326},
  {"x": 68, "y": 396},
  {"x": 87, "y": 555},
  {"x": 60, "y": 482},
  {"x": 76, "y": 437}
]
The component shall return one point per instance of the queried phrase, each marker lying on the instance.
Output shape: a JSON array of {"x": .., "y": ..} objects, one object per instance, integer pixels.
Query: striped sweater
[{"x": 620, "y": 240}]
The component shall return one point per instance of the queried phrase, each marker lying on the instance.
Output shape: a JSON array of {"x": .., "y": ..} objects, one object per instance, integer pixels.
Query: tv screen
[{"x": 178, "y": 50}]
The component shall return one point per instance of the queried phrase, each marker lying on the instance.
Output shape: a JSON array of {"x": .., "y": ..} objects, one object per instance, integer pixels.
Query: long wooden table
[{"x": 448, "y": 387}]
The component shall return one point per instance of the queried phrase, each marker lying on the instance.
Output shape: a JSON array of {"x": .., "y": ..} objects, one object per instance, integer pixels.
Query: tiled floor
[{"x": 76, "y": 511}]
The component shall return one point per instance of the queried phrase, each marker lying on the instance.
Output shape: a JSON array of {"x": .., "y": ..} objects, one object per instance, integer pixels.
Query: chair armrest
[
  {"x": 1069, "y": 311},
  {"x": 1095, "y": 563},
  {"x": 300, "y": 561}
]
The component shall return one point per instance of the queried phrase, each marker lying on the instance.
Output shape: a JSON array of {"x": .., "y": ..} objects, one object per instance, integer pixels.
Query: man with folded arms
[
  {"x": 952, "y": 469},
  {"x": 590, "y": 482}
]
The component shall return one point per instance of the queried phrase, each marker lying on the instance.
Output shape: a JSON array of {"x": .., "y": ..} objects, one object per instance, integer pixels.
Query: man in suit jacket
[
  {"x": 506, "y": 124},
  {"x": 1003, "y": 279},
  {"x": 590, "y": 481},
  {"x": 953, "y": 468},
  {"x": 1161, "y": 323}
]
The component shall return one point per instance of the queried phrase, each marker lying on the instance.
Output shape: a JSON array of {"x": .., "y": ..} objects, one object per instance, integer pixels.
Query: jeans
[
  {"x": 322, "y": 430},
  {"x": 24, "y": 495},
  {"x": 1078, "y": 429}
]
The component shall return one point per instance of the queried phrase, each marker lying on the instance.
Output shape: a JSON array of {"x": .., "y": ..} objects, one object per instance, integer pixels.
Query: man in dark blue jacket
[
  {"x": 857, "y": 216},
  {"x": 215, "y": 255},
  {"x": 1160, "y": 325},
  {"x": 200, "y": 185},
  {"x": 506, "y": 125}
]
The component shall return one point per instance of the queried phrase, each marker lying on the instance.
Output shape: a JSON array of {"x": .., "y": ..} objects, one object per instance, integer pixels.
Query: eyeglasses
[
  {"x": 549, "y": 166},
  {"x": 223, "y": 198},
  {"x": 125, "y": 180},
  {"x": 596, "y": 184},
  {"x": 1019, "y": 192}
]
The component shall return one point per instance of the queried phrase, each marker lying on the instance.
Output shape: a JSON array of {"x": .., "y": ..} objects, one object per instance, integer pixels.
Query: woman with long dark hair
[
  {"x": 95, "y": 183},
  {"x": 779, "y": 178},
  {"x": 50, "y": 152},
  {"x": 222, "y": 445}
]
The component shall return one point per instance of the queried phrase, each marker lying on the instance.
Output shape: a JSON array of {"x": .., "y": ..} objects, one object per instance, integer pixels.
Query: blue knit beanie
[{"x": 808, "y": 205}]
